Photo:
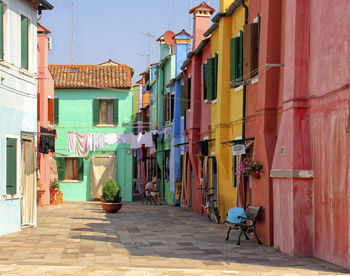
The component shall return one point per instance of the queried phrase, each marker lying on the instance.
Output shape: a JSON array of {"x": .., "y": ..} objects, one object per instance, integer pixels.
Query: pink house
[{"x": 45, "y": 109}]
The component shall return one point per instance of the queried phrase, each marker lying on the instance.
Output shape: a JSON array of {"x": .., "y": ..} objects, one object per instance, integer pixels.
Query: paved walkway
[{"x": 80, "y": 239}]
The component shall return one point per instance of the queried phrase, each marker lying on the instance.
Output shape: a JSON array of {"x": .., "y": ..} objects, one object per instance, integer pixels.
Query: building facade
[
  {"x": 93, "y": 99},
  {"x": 18, "y": 107}
]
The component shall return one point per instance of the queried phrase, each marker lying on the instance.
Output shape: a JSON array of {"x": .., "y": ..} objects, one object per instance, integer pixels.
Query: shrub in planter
[
  {"x": 111, "y": 196},
  {"x": 110, "y": 191}
]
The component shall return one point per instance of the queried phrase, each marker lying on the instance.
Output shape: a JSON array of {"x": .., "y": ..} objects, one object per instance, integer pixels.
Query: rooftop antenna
[
  {"x": 149, "y": 35},
  {"x": 169, "y": 16},
  {"x": 70, "y": 4}
]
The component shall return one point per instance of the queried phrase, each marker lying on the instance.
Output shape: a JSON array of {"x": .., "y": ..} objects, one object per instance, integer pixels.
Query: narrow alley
[{"x": 81, "y": 239}]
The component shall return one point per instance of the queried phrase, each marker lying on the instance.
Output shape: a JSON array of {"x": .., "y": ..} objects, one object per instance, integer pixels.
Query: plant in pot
[
  {"x": 54, "y": 187},
  {"x": 111, "y": 196},
  {"x": 250, "y": 168}
]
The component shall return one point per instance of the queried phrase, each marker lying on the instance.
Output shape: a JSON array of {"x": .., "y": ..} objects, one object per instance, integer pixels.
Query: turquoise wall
[
  {"x": 13, "y": 123},
  {"x": 76, "y": 114}
]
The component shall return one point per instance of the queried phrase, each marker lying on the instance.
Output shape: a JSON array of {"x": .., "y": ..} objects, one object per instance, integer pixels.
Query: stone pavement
[{"x": 80, "y": 239}]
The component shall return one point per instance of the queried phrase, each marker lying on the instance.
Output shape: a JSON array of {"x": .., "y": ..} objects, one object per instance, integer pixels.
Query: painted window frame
[{"x": 28, "y": 64}]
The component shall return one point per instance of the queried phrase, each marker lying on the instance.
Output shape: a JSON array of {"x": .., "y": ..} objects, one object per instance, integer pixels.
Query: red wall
[
  {"x": 311, "y": 215},
  {"x": 45, "y": 90}
]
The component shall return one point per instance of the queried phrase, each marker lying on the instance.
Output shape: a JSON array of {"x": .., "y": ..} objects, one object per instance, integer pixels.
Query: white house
[{"x": 18, "y": 110}]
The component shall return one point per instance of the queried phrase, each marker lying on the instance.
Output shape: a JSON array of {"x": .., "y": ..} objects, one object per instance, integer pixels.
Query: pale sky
[{"x": 110, "y": 29}]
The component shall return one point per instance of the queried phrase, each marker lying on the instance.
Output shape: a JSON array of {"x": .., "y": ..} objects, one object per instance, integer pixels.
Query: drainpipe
[{"x": 244, "y": 86}]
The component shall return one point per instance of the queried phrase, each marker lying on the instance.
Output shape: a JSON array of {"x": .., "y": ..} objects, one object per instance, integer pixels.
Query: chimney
[{"x": 201, "y": 22}]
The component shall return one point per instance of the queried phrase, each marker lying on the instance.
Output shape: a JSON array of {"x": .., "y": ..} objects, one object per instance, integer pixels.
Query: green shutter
[
  {"x": 1, "y": 30},
  {"x": 240, "y": 55},
  {"x": 96, "y": 112},
  {"x": 210, "y": 78},
  {"x": 56, "y": 110},
  {"x": 11, "y": 166},
  {"x": 81, "y": 169},
  {"x": 182, "y": 100},
  {"x": 205, "y": 85},
  {"x": 115, "y": 112},
  {"x": 61, "y": 167},
  {"x": 215, "y": 77},
  {"x": 24, "y": 42},
  {"x": 233, "y": 62}
]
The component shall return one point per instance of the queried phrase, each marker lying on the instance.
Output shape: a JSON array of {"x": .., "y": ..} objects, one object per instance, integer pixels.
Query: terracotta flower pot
[
  {"x": 256, "y": 175},
  {"x": 40, "y": 193},
  {"x": 53, "y": 193},
  {"x": 112, "y": 207}
]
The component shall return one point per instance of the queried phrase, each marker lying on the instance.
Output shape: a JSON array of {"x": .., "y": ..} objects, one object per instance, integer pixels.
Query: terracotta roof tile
[{"x": 92, "y": 76}]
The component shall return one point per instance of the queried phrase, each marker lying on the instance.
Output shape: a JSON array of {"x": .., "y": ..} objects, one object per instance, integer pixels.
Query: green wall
[{"x": 76, "y": 114}]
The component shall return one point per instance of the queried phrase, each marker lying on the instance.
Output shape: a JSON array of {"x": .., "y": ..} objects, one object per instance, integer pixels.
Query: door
[
  {"x": 102, "y": 168},
  {"x": 28, "y": 165}
]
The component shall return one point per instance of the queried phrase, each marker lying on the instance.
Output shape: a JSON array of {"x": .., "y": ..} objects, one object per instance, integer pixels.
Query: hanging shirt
[
  {"x": 51, "y": 140},
  {"x": 95, "y": 141},
  {"x": 82, "y": 144},
  {"x": 112, "y": 138},
  {"x": 71, "y": 141}
]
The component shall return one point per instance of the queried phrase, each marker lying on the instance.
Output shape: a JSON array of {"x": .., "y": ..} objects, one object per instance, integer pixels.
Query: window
[
  {"x": 70, "y": 168},
  {"x": 24, "y": 42},
  {"x": 51, "y": 107},
  {"x": 204, "y": 81},
  {"x": 56, "y": 109},
  {"x": 105, "y": 112},
  {"x": 1, "y": 30},
  {"x": 172, "y": 106},
  {"x": 236, "y": 60},
  {"x": 11, "y": 166},
  {"x": 251, "y": 50},
  {"x": 211, "y": 71}
]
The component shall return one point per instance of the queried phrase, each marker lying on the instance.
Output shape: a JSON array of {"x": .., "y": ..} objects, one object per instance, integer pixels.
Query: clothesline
[{"x": 80, "y": 143}]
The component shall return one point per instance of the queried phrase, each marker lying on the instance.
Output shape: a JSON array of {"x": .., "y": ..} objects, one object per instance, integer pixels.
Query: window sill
[
  {"x": 239, "y": 88},
  {"x": 70, "y": 181},
  {"x": 26, "y": 73},
  {"x": 5, "y": 63},
  {"x": 10, "y": 197},
  {"x": 102, "y": 125}
]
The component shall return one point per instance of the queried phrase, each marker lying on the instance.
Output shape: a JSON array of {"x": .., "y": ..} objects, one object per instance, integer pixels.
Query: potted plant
[
  {"x": 111, "y": 196},
  {"x": 40, "y": 193},
  {"x": 250, "y": 167},
  {"x": 54, "y": 186}
]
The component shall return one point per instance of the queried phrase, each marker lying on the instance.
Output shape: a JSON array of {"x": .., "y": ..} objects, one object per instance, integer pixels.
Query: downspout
[{"x": 244, "y": 85}]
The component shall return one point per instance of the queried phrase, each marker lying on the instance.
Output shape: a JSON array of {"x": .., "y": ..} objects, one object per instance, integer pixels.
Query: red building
[
  {"x": 198, "y": 113},
  {"x": 45, "y": 109},
  {"x": 299, "y": 116}
]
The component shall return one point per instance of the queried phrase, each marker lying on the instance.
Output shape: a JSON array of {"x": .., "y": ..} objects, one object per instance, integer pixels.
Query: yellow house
[{"x": 226, "y": 109}]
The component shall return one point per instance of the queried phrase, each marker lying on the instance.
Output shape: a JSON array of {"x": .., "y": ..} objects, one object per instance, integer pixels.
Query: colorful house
[
  {"x": 197, "y": 109},
  {"x": 45, "y": 110},
  {"x": 18, "y": 108},
  {"x": 93, "y": 99},
  {"x": 227, "y": 96}
]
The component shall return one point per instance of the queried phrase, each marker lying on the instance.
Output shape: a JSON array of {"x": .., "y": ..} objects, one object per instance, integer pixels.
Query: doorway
[
  {"x": 28, "y": 165},
  {"x": 102, "y": 168}
]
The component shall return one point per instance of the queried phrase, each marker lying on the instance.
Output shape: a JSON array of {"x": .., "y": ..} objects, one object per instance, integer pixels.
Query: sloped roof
[
  {"x": 204, "y": 7},
  {"x": 92, "y": 76},
  {"x": 42, "y": 29}
]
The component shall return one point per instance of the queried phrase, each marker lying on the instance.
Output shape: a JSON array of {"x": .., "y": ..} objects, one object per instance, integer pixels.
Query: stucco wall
[
  {"x": 75, "y": 114},
  {"x": 17, "y": 101}
]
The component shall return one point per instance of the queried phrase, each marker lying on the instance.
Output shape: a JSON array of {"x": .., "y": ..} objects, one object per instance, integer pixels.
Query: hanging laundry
[
  {"x": 146, "y": 139},
  {"x": 44, "y": 141},
  {"x": 51, "y": 140},
  {"x": 95, "y": 141},
  {"x": 112, "y": 138},
  {"x": 82, "y": 144},
  {"x": 71, "y": 141}
]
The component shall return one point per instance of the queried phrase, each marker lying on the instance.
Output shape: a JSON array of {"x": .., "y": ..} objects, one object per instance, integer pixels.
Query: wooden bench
[{"x": 252, "y": 213}]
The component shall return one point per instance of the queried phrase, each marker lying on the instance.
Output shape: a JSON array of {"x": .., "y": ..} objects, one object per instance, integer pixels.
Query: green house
[{"x": 93, "y": 99}]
